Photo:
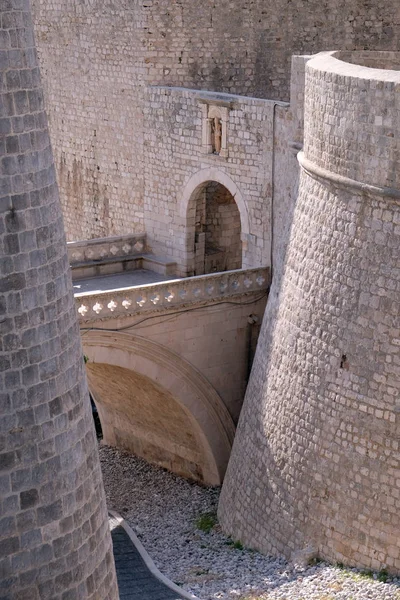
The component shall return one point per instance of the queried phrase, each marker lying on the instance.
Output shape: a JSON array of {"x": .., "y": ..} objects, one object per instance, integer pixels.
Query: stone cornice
[{"x": 335, "y": 180}]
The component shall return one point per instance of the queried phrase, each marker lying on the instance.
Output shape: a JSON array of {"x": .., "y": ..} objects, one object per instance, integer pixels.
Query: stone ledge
[
  {"x": 172, "y": 294},
  {"x": 106, "y": 248}
]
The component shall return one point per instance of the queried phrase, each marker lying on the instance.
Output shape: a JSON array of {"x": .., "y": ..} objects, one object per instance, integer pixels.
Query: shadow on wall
[{"x": 217, "y": 240}]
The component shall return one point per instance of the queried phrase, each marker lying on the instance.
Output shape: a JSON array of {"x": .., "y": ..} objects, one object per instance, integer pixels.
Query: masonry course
[{"x": 98, "y": 57}]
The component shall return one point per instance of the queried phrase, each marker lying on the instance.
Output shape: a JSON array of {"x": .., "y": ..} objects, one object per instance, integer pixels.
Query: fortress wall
[
  {"x": 237, "y": 48},
  {"x": 288, "y": 140},
  {"x": 367, "y": 153},
  {"x": 54, "y": 536},
  {"x": 315, "y": 464},
  {"x": 92, "y": 61},
  {"x": 375, "y": 60},
  {"x": 245, "y": 48},
  {"x": 174, "y": 154},
  {"x": 97, "y": 55}
]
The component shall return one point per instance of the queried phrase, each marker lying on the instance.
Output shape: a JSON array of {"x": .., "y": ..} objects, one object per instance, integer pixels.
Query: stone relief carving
[
  {"x": 215, "y": 129},
  {"x": 216, "y": 135}
]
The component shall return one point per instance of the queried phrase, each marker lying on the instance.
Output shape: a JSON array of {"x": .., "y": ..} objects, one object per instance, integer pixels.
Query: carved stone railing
[
  {"x": 106, "y": 248},
  {"x": 171, "y": 295}
]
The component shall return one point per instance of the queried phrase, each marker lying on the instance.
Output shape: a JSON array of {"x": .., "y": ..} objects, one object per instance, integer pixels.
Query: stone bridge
[{"x": 168, "y": 358}]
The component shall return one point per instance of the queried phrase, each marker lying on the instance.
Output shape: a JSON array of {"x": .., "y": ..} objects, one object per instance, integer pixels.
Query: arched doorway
[
  {"x": 217, "y": 240},
  {"x": 215, "y": 219}
]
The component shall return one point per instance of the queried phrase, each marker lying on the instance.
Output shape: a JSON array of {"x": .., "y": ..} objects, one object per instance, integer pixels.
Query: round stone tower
[
  {"x": 54, "y": 537},
  {"x": 315, "y": 467}
]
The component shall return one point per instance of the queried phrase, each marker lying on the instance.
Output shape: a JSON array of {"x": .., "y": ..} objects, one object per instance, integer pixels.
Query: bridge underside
[
  {"x": 142, "y": 417},
  {"x": 155, "y": 404}
]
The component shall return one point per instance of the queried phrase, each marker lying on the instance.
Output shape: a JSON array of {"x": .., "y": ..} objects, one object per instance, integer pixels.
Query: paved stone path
[
  {"x": 117, "y": 281},
  {"x": 135, "y": 581}
]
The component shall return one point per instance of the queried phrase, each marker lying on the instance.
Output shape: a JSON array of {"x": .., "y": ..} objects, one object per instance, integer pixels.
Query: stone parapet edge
[
  {"x": 330, "y": 62},
  {"x": 148, "y": 560},
  {"x": 223, "y": 97},
  {"x": 106, "y": 240},
  {"x": 102, "y": 248},
  {"x": 174, "y": 294}
]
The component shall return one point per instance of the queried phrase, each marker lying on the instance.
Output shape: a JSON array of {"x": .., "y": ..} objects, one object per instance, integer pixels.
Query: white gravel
[{"x": 163, "y": 509}]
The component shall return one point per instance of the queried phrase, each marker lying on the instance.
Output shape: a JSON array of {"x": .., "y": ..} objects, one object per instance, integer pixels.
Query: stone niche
[{"x": 215, "y": 117}]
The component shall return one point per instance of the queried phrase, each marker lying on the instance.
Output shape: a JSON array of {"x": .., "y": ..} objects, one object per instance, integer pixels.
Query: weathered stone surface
[
  {"x": 48, "y": 450},
  {"x": 99, "y": 56},
  {"x": 315, "y": 464}
]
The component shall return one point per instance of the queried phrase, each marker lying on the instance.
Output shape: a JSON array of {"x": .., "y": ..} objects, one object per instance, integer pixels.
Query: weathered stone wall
[
  {"x": 92, "y": 65},
  {"x": 54, "y": 538},
  {"x": 245, "y": 47},
  {"x": 315, "y": 462},
  {"x": 97, "y": 55},
  {"x": 240, "y": 48},
  {"x": 375, "y": 60}
]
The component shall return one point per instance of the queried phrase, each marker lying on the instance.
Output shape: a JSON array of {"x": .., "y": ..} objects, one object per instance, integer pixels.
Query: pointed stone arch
[{"x": 174, "y": 380}]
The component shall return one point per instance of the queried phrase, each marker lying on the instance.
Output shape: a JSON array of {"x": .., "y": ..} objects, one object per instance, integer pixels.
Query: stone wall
[
  {"x": 375, "y": 60},
  {"x": 54, "y": 537},
  {"x": 241, "y": 48},
  {"x": 92, "y": 65},
  {"x": 315, "y": 460},
  {"x": 98, "y": 55},
  {"x": 246, "y": 47}
]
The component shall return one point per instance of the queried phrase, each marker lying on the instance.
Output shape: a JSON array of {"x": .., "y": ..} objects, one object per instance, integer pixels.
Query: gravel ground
[{"x": 165, "y": 512}]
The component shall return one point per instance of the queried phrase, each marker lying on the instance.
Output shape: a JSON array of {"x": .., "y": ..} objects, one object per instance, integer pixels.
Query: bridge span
[{"x": 168, "y": 360}]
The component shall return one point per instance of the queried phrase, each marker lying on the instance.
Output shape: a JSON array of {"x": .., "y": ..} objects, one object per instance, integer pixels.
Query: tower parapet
[{"x": 315, "y": 463}]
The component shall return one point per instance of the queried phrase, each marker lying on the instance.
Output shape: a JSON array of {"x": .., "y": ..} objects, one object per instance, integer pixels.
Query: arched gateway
[{"x": 216, "y": 218}]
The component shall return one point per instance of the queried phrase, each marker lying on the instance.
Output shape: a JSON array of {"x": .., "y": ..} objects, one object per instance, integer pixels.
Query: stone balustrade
[
  {"x": 106, "y": 248},
  {"x": 173, "y": 294}
]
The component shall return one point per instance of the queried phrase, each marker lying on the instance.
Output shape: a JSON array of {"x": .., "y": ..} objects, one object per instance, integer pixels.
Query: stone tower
[
  {"x": 315, "y": 467},
  {"x": 54, "y": 538}
]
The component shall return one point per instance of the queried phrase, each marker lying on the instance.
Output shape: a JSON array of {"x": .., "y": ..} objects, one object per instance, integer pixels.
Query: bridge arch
[
  {"x": 197, "y": 186},
  {"x": 129, "y": 374}
]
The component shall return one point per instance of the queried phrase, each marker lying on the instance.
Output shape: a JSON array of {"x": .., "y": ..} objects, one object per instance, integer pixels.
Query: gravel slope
[{"x": 163, "y": 510}]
